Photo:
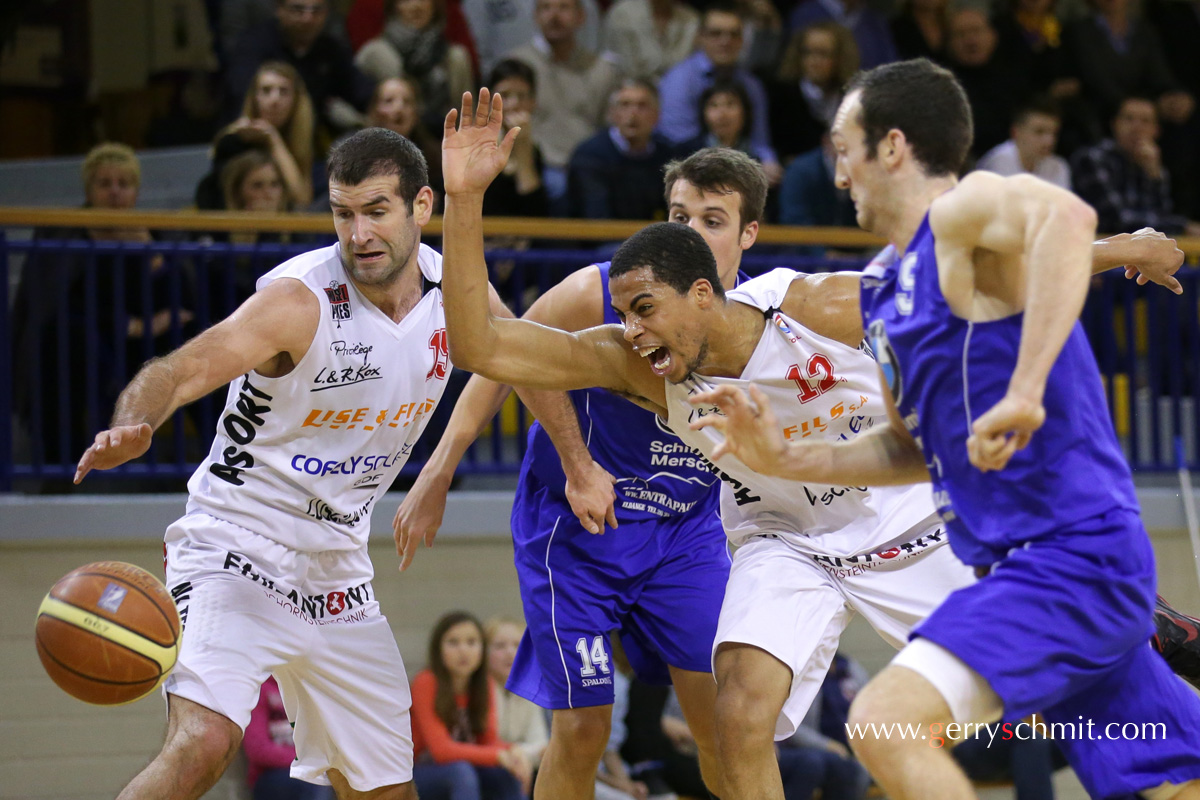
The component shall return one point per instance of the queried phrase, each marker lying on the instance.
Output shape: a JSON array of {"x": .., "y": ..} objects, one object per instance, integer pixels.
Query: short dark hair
[
  {"x": 735, "y": 88},
  {"x": 634, "y": 83},
  {"x": 722, "y": 169},
  {"x": 722, "y": 7},
  {"x": 377, "y": 153},
  {"x": 1042, "y": 104},
  {"x": 675, "y": 254},
  {"x": 923, "y": 101},
  {"x": 512, "y": 68}
]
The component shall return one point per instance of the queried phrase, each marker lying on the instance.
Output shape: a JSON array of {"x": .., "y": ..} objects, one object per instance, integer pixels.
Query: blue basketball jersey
[
  {"x": 657, "y": 474},
  {"x": 944, "y": 372}
]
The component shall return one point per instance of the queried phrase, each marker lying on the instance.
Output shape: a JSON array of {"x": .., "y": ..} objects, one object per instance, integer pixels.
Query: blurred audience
[
  {"x": 920, "y": 29},
  {"x": 297, "y": 35},
  {"x": 1030, "y": 146},
  {"x": 721, "y": 32},
  {"x": 1124, "y": 179},
  {"x": 992, "y": 89},
  {"x": 501, "y": 26},
  {"x": 518, "y": 721},
  {"x": 270, "y": 752},
  {"x": 617, "y": 174},
  {"x": 573, "y": 85},
  {"x": 648, "y": 37},
  {"x": 277, "y": 117},
  {"x": 1119, "y": 55},
  {"x": 724, "y": 119},
  {"x": 457, "y": 751},
  {"x": 235, "y": 17},
  {"x": 81, "y": 320},
  {"x": 810, "y": 197},
  {"x": 762, "y": 35},
  {"x": 818, "y": 63},
  {"x": 397, "y": 104},
  {"x": 870, "y": 28},
  {"x": 413, "y": 43},
  {"x": 368, "y": 17},
  {"x": 518, "y": 190}
]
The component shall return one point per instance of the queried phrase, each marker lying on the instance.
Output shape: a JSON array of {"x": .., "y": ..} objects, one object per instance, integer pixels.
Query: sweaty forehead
[{"x": 628, "y": 286}]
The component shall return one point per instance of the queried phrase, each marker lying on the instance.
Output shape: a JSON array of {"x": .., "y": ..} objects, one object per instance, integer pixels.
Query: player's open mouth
[
  {"x": 660, "y": 360},
  {"x": 370, "y": 257}
]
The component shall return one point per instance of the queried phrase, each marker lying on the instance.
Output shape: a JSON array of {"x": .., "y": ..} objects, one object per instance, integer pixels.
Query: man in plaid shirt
[{"x": 1123, "y": 178}]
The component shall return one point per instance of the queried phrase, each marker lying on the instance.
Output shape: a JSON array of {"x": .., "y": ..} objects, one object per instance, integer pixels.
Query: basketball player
[
  {"x": 993, "y": 392},
  {"x": 811, "y": 552},
  {"x": 334, "y": 366},
  {"x": 660, "y": 578}
]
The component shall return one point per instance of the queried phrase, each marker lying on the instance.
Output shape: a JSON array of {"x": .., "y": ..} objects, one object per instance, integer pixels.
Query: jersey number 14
[{"x": 597, "y": 656}]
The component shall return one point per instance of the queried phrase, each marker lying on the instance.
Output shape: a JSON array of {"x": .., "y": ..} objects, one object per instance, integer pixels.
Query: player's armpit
[{"x": 827, "y": 304}]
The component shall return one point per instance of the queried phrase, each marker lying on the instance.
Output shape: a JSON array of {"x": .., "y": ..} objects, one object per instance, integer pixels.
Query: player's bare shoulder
[
  {"x": 284, "y": 314},
  {"x": 574, "y": 304},
  {"x": 827, "y": 303}
]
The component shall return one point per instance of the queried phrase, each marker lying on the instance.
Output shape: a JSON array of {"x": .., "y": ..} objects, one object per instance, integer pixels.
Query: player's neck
[
  {"x": 732, "y": 340},
  {"x": 399, "y": 297},
  {"x": 912, "y": 204}
]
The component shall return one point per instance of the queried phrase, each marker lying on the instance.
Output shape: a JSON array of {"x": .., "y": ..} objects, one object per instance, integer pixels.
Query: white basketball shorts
[
  {"x": 252, "y": 608},
  {"x": 795, "y": 605}
]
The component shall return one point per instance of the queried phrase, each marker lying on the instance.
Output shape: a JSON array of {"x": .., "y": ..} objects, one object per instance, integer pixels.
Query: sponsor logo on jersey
[
  {"x": 885, "y": 356},
  {"x": 832, "y": 493},
  {"x": 332, "y": 378},
  {"x": 368, "y": 419},
  {"x": 318, "y": 608},
  {"x": 241, "y": 424},
  {"x": 339, "y": 302},
  {"x": 320, "y": 510},
  {"x": 351, "y": 349},
  {"x": 311, "y": 465},
  {"x": 848, "y": 566}
]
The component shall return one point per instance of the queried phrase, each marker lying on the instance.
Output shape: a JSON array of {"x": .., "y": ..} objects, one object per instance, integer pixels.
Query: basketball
[{"x": 108, "y": 633}]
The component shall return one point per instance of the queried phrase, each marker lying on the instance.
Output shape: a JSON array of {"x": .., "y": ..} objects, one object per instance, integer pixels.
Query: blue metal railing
[{"x": 87, "y": 314}]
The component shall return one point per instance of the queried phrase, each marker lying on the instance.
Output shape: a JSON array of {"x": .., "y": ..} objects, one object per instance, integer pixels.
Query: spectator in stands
[
  {"x": 992, "y": 90},
  {"x": 297, "y": 35},
  {"x": 413, "y": 43},
  {"x": 762, "y": 36},
  {"x": 518, "y": 190},
  {"x": 270, "y": 752},
  {"x": 63, "y": 300},
  {"x": 721, "y": 32},
  {"x": 810, "y": 197},
  {"x": 397, "y": 104},
  {"x": 502, "y": 26},
  {"x": 648, "y": 37},
  {"x": 870, "y": 28},
  {"x": 457, "y": 752},
  {"x": 617, "y": 174},
  {"x": 818, "y": 63},
  {"x": 724, "y": 120},
  {"x": 920, "y": 29},
  {"x": 366, "y": 19},
  {"x": 1124, "y": 179},
  {"x": 1178, "y": 24},
  {"x": 1119, "y": 55},
  {"x": 518, "y": 721},
  {"x": 277, "y": 117},
  {"x": 574, "y": 84},
  {"x": 1030, "y": 146},
  {"x": 235, "y": 17}
]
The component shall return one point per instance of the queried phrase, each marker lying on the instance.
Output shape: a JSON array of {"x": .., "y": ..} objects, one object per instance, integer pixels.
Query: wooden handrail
[{"x": 560, "y": 229}]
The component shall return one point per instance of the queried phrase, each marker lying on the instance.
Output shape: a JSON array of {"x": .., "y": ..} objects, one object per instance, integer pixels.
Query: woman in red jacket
[{"x": 457, "y": 753}]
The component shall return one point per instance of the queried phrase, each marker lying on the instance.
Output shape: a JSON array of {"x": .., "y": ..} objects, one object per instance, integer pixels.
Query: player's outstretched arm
[
  {"x": 1146, "y": 254},
  {"x": 887, "y": 456},
  {"x": 279, "y": 320},
  {"x": 1043, "y": 236},
  {"x": 516, "y": 352}
]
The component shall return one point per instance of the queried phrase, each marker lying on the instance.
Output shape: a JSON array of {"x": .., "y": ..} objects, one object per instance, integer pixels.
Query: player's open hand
[
  {"x": 420, "y": 515},
  {"x": 592, "y": 497},
  {"x": 1006, "y": 428},
  {"x": 1158, "y": 260},
  {"x": 114, "y": 447},
  {"x": 751, "y": 431},
  {"x": 472, "y": 151}
]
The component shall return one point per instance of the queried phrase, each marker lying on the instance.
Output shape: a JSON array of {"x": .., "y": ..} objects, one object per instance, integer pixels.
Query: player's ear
[
  {"x": 422, "y": 206},
  {"x": 749, "y": 236}
]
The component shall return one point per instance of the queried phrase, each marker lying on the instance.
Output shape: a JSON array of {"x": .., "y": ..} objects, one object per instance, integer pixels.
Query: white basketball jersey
[
  {"x": 301, "y": 458},
  {"x": 817, "y": 387}
]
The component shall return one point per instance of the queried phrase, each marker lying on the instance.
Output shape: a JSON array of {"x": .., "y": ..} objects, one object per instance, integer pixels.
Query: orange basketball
[{"x": 108, "y": 633}]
